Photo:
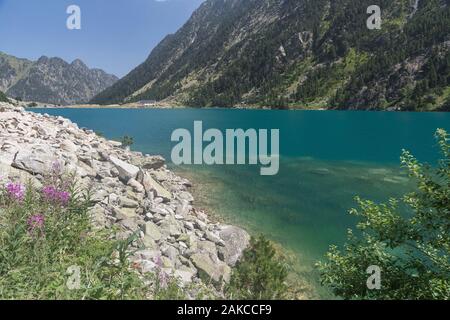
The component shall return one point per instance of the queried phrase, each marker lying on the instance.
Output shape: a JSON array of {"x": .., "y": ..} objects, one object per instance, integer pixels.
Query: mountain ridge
[
  {"x": 51, "y": 80},
  {"x": 304, "y": 53}
]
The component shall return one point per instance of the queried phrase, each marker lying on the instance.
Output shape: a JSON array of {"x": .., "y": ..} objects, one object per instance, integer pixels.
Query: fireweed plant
[
  {"x": 46, "y": 230},
  {"x": 46, "y": 233}
]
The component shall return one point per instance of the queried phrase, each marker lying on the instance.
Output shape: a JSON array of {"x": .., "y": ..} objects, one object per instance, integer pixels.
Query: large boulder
[
  {"x": 126, "y": 171},
  {"x": 235, "y": 241},
  {"x": 151, "y": 231},
  {"x": 210, "y": 270},
  {"x": 170, "y": 227},
  {"x": 36, "y": 161},
  {"x": 150, "y": 185},
  {"x": 149, "y": 162},
  {"x": 6, "y": 171},
  {"x": 124, "y": 213},
  {"x": 68, "y": 146}
]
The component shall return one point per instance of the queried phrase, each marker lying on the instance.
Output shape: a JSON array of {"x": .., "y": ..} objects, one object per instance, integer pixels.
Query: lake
[{"x": 326, "y": 159}]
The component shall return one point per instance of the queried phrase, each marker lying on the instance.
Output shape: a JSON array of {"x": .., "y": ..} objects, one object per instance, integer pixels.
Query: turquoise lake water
[{"x": 327, "y": 158}]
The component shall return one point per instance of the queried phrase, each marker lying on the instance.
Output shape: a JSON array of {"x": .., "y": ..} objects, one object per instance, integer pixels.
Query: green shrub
[
  {"x": 46, "y": 238},
  {"x": 127, "y": 141},
  {"x": 166, "y": 287},
  {"x": 446, "y": 105},
  {"x": 3, "y": 97},
  {"x": 259, "y": 275},
  {"x": 412, "y": 248},
  {"x": 100, "y": 134}
]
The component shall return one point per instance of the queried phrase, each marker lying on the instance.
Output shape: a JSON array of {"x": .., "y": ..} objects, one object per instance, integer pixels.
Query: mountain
[
  {"x": 51, "y": 80},
  {"x": 297, "y": 53}
]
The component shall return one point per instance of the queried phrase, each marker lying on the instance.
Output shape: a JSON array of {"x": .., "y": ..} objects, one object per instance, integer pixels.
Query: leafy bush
[
  {"x": 46, "y": 238},
  {"x": 100, "y": 134},
  {"x": 259, "y": 275},
  {"x": 412, "y": 248},
  {"x": 3, "y": 97},
  {"x": 127, "y": 141},
  {"x": 446, "y": 105}
]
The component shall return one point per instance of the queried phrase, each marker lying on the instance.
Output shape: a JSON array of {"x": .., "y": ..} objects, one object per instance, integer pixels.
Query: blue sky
[{"x": 116, "y": 35}]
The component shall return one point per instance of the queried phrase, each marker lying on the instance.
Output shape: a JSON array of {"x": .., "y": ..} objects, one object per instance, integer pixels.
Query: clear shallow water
[{"x": 327, "y": 158}]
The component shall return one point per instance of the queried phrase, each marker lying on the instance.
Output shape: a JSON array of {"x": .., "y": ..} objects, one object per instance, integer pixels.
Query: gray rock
[
  {"x": 184, "y": 276},
  {"x": 130, "y": 224},
  {"x": 99, "y": 195},
  {"x": 149, "y": 162},
  {"x": 151, "y": 230},
  {"x": 183, "y": 208},
  {"x": 212, "y": 237},
  {"x": 148, "y": 254},
  {"x": 184, "y": 195},
  {"x": 170, "y": 252},
  {"x": 235, "y": 241},
  {"x": 170, "y": 227},
  {"x": 189, "y": 225},
  {"x": 201, "y": 225},
  {"x": 37, "y": 161},
  {"x": 149, "y": 243},
  {"x": 136, "y": 186},
  {"x": 160, "y": 175},
  {"x": 148, "y": 266},
  {"x": 209, "y": 270},
  {"x": 124, "y": 213},
  {"x": 126, "y": 171},
  {"x": 68, "y": 146},
  {"x": 207, "y": 247},
  {"x": 128, "y": 203},
  {"x": 150, "y": 185},
  {"x": 111, "y": 182}
]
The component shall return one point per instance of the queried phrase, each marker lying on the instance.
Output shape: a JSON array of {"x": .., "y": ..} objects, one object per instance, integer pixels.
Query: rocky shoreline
[{"x": 131, "y": 191}]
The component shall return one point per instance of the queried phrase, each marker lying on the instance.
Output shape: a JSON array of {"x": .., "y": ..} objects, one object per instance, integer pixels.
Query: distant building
[{"x": 147, "y": 103}]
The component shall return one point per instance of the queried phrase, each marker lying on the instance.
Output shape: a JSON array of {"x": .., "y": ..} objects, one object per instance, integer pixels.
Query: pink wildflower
[
  {"x": 52, "y": 194},
  {"x": 15, "y": 191},
  {"x": 36, "y": 224}
]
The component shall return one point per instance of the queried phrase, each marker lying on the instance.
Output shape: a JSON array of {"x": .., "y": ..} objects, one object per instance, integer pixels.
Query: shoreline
[
  {"x": 301, "y": 278},
  {"x": 134, "y": 192},
  {"x": 125, "y": 107}
]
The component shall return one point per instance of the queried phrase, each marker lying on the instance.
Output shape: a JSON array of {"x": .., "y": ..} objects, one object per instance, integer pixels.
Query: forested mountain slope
[{"x": 300, "y": 53}]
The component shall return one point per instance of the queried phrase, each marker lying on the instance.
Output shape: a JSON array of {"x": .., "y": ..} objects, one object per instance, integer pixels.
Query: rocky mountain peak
[
  {"x": 51, "y": 80},
  {"x": 78, "y": 64}
]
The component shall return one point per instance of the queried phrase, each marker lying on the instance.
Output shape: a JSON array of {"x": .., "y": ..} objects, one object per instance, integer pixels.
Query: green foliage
[
  {"x": 259, "y": 275},
  {"x": 3, "y": 97},
  {"x": 408, "y": 238},
  {"x": 127, "y": 141},
  {"x": 100, "y": 134},
  {"x": 446, "y": 105},
  {"x": 166, "y": 287},
  {"x": 37, "y": 260}
]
